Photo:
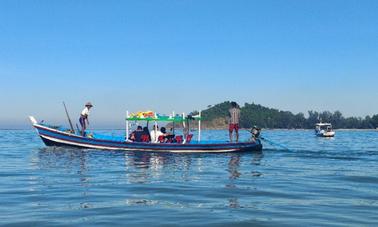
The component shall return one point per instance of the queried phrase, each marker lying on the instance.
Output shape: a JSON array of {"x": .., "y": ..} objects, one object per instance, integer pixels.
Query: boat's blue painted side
[{"x": 55, "y": 137}]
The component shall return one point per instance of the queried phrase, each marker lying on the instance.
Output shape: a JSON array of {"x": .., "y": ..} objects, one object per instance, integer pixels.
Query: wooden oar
[{"x": 69, "y": 119}]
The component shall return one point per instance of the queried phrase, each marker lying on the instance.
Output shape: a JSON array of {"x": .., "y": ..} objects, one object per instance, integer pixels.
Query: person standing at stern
[
  {"x": 84, "y": 117},
  {"x": 234, "y": 118}
]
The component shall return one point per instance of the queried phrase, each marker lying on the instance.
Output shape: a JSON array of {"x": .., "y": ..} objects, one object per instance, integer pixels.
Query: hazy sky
[{"x": 183, "y": 55}]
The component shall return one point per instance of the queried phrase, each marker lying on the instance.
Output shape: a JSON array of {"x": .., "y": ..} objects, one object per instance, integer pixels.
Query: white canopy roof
[{"x": 323, "y": 124}]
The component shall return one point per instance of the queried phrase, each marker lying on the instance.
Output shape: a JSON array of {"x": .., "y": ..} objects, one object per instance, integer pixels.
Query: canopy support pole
[
  {"x": 183, "y": 120},
  {"x": 199, "y": 127},
  {"x": 155, "y": 132},
  {"x": 127, "y": 126},
  {"x": 173, "y": 115}
]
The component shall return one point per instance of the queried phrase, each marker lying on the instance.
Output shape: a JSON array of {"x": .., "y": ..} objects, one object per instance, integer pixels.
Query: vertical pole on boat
[
  {"x": 155, "y": 128},
  {"x": 69, "y": 119},
  {"x": 184, "y": 133},
  {"x": 155, "y": 132},
  {"x": 173, "y": 130},
  {"x": 199, "y": 127},
  {"x": 127, "y": 126},
  {"x": 183, "y": 121}
]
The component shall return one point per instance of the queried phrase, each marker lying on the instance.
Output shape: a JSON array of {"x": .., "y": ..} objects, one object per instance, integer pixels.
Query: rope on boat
[
  {"x": 274, "y": 143},
  {"x": 255, "y": 131}
]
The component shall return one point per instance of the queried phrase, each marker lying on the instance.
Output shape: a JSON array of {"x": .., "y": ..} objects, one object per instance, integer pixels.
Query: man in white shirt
[
  {"x": 84, "y": 117},
  {"x": 155, "y": 133}
]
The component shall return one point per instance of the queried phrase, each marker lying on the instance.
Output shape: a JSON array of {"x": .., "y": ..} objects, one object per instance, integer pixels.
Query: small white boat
[{"x": 324, "y": 130}]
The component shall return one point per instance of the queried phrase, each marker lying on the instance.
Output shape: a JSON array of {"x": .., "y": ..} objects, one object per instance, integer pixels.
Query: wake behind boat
[{"x": 60, "y": 136}]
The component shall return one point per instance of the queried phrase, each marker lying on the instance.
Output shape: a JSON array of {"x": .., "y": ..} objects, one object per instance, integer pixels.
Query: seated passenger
[
  {"x": 178, "y": 139},
  {"x": 136, "y": 136},
  {"x": 155, "y": 133},
  {"x": 146, "y": 137},
  {"x": 167, "y": 136}
]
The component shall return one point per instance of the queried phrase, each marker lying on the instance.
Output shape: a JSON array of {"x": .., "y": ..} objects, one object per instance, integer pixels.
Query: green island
[{"x": 216, "y": 117}]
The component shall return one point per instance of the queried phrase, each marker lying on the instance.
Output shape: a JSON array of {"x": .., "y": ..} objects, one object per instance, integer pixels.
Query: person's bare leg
[
  {"x": 237, "y": 136},
  {"x": 230, "y": 134}
]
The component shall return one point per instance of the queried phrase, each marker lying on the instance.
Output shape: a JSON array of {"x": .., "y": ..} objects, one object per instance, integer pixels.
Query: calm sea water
[{"x": 317, "y": 182}]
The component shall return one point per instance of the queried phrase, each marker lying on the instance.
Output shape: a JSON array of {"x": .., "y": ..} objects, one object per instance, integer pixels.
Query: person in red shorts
[{"x": 234, "y": 118}]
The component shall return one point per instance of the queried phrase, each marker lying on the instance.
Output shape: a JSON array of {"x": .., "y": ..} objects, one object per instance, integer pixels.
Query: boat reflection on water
[
  {"x": 140, "y": 167},
  {"x": 150, "y": 167},
  {"x": 49, "y": 158},
  {"x": 62, "y": 161},
  {"x": 234, "y": 164},
  {"x": 235, "y": 174},
  {"x": 88, "y": 178}
]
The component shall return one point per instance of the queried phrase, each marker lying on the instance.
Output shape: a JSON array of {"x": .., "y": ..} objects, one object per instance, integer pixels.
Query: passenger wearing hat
[{"x": 84, "y": 117}]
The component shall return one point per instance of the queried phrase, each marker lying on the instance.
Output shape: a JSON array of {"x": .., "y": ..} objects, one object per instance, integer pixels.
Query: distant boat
[{"x": 324, "y": 130}]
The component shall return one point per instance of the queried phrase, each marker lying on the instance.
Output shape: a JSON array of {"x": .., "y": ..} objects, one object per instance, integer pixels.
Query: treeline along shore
[{"x": 216, "y": 117}]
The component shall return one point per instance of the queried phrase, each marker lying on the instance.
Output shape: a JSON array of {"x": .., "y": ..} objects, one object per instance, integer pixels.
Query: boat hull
[
  {"x": 54, "y": 137},
  {"x": 325, "y": 134}
]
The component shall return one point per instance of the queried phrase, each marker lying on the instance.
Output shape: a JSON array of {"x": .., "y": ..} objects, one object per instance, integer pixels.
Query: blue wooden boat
[{"x": 59, "y": 136}]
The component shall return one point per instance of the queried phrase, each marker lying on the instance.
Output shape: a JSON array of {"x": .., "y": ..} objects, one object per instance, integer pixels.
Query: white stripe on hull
[{"x": 132, "y": 149}]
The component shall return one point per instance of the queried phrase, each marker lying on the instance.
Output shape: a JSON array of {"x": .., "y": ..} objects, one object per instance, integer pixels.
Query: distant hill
[{"x": 254, "y": 114}]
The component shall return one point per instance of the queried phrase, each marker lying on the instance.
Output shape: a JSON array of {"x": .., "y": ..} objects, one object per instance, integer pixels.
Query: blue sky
[{"x": 184, "y": 55}]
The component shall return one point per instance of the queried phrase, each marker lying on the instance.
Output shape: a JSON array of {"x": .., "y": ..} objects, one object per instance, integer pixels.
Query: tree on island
[{"x": 215, "y": 116}]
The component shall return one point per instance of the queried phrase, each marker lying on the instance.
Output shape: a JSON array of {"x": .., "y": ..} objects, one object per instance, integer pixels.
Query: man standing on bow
[
  {"x": 234, "y": 118},
  {"x": 84, "y": 117}
]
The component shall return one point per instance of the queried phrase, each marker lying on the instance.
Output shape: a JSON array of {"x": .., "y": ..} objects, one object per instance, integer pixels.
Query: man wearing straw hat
[{"x": 84, "y": 117}]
